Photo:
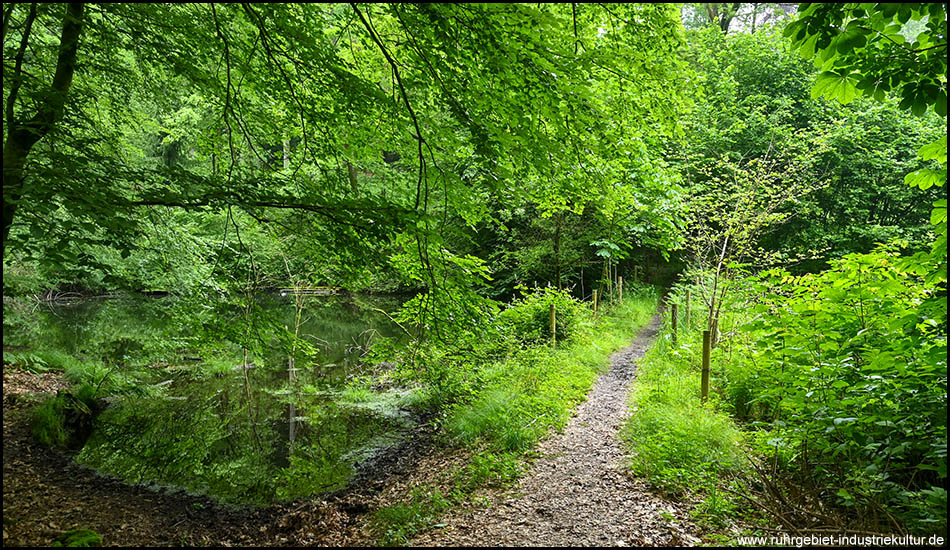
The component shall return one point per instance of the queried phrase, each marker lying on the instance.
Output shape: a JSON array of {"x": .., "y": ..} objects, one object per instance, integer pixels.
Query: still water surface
[{"x": 208, "y": 423}]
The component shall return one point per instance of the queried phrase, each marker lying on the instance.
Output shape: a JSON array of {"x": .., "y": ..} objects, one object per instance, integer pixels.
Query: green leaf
[
  {"x": 940, "y": 106},
  {"x": 925, "y": 178},
  {"x": 833, "y": 85},
  {"x": 849, "y": 41},
  {"x": 939, "y": 213},
  {"x": 935, "y": 151}
]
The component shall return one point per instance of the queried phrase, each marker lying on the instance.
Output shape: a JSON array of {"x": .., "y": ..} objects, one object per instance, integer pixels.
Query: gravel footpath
[{"x": 578, "y": 492}]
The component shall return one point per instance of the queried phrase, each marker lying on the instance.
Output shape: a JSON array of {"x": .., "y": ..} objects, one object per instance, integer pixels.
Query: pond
[{"x": 222, "y": 400}]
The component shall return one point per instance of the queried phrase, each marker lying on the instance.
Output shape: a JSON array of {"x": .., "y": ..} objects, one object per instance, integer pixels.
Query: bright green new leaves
[
  {"x": 935, "y": 151},
  {"x": 939, "y": 213},
  {"x": 348, "y": 124},
  {"x": 928, "y": 177},
  {"x": 905, "y": 53},
  {"x": 925, "y": 178}
]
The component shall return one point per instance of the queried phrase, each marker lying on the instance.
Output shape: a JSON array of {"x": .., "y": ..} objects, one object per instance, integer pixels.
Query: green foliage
[
  {"x": 49, "y": 423},
  {"x": 78, "y": 537},
  {"x": 487, "y": 469},
  {"x": 840, "y": 377},
  {"x": 207, "y": 446},
  {"x": 678, "y": 444},
  {"x": 408, "y": 127},
  {"x": 65, "y": 421},
  {"x": 519, "y": 399},
  {"x": 680, "y": 449},
  {"x": 78, "y": 372},
  {"x": 31, "y": 362},
  {"x": 859, "y": 46},
  {"x": 463, "y": 152},
  {"x": 395, "y": 525},
  {"x": 716, "y": 510},
  {"x": 856, "y": 379},
  {"x": 528, "y": 319},
  {"x": 756, "y": 125}
]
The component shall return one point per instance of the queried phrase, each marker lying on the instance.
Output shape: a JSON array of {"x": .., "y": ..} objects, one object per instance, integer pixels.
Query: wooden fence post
[
  {"x": 675, "y": 314},
  {"x": 553, "y": 326},
  {"x": 595, "y": 302},
  {"x": 620, "y": 287},
  {"x": 704, "y": 393}
]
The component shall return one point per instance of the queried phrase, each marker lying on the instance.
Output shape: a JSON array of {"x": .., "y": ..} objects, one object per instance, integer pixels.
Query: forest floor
[{"x": 577, "y": 493}]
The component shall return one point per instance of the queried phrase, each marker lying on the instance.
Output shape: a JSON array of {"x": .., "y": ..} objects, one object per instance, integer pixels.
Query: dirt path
[{"x": 577, "y": 493}]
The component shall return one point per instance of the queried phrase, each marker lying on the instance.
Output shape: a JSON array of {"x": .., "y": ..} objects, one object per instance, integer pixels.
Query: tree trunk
[
  {"x": 23, "y": 135},
  {"x": 351, "y": 174},
  {"x": 286, "y": 150}
]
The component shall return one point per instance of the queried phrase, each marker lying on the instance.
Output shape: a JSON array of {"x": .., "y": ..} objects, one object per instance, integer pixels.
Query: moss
[{"x": 78, "y": 537}]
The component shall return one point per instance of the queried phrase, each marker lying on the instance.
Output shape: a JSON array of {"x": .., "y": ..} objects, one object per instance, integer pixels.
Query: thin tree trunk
[
  {"x": 286, "y": 148},
  {"x": 351, "y": 173},
  {"x": 557, "y": 252}
]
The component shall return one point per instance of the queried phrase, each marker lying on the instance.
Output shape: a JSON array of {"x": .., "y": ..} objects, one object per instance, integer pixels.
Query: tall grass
[{"x": 679, "y": 444}]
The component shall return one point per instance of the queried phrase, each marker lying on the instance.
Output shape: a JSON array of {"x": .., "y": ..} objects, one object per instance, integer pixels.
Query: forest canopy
[{"x": 341, "y": 124}]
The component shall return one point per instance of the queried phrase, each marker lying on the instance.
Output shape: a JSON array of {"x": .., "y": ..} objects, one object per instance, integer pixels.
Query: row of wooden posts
[
  {"x": 594, "y": 296},
  {"x": 707, "y": 334}
]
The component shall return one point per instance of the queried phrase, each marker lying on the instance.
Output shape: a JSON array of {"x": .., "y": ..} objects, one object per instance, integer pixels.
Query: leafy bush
[
  {"x": 528, "y": 318},
  {"x": 841, "y": 376},
  {"x": 853, "y": 374}
]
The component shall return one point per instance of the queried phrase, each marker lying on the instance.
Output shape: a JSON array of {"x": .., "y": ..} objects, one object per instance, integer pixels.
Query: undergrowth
[
  {"x": 524, "y": 396},
  {"x": 679, "y": 443},
  {"x": 827, "y": 408}
]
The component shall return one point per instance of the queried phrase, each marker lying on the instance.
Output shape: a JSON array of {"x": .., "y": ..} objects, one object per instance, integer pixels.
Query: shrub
[
  {"x": 528, "y": 319},
  {"x": 66, "y": 420}
]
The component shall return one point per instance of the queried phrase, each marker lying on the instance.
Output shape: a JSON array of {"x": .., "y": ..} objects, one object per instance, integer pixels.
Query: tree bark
[{"x": 22, "y": 135}]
